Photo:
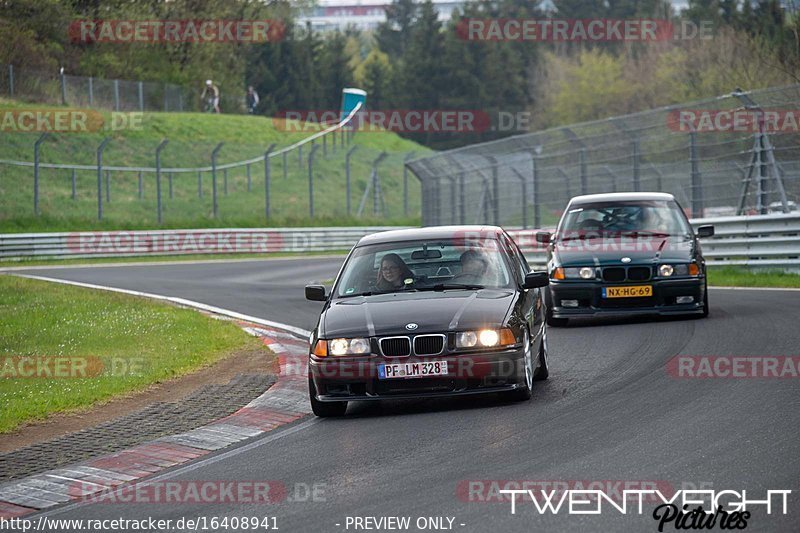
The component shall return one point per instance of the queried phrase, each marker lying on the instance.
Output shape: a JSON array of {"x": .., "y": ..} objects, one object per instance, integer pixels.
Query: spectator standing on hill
[
  {"x": 210, "y": 96},
  {"x": 252, "y": 100}
]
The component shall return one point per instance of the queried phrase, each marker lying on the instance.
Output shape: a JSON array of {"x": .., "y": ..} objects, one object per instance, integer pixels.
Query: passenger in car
[{"x": 393, "y": 273}]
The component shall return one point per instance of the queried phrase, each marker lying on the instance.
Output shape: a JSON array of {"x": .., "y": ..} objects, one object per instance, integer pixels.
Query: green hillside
[{"x": 192, "y": 137}]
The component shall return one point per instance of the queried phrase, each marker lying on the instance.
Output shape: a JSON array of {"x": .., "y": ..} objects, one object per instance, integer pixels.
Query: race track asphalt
[{"x": 611, "y": 411}]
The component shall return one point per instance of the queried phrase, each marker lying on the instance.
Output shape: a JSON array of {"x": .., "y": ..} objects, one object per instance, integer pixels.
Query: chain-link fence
[
  {"x": 99, "y": 93},
  {"x": 735, "y": 154}
]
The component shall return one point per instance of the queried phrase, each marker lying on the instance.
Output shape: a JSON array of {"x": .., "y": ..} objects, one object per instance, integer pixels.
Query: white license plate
[{"x": 412, "y": 370}]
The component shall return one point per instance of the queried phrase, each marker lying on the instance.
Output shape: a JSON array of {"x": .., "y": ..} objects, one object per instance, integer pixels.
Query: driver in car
[{"x": 473, "y": 268}]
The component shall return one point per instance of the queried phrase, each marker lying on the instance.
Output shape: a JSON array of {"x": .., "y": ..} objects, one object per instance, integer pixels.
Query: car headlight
[
  {"x": 466, "y": 339},
  {"x": 578, "y": 273},
  {"x": 665, "y": 271},
  {"x": 357, "y": 346},
  {"x": 691, "y": 269},
  {"x": 486, "y": 338}
]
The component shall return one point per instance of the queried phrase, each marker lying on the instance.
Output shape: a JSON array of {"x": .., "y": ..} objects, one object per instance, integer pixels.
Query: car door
[{"x": 529, "y": 298}]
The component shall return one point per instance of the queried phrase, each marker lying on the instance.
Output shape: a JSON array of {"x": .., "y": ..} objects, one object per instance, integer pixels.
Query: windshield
[
  {"x": 653, "y": 217},
  {"x": 423, "y": 265}
]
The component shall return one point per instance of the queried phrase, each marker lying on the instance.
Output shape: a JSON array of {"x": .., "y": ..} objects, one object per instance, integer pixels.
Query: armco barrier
[{"x": 761, "y": 240}]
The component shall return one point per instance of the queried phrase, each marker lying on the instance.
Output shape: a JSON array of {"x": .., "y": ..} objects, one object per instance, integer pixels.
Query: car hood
[
  {"x": 433, "y": 312},
  {"x": 608, "y": 251}
]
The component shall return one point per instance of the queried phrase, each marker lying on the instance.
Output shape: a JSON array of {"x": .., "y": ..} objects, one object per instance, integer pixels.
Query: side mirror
[
  {"x": 535, "y": 280},
  {"x": 543, "y": 237},
  {"x": 316, "y": 293},
  {"x": 705, "y": 231}
]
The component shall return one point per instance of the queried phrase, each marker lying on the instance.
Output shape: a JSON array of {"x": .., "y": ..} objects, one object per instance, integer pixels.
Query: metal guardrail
[{"x": 760, "y": 240}]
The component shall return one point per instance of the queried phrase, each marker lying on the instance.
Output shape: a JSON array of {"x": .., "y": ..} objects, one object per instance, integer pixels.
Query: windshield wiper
[
  {"x": 446, "y": 286},
  {"x": 645, "y": 233}
]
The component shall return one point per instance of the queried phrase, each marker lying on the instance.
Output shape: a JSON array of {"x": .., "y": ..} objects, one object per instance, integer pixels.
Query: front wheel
[
  {"x": 324, "y": 409},
  {"x": 525, "y": 391},
  {"x": 543, "y": 372}
]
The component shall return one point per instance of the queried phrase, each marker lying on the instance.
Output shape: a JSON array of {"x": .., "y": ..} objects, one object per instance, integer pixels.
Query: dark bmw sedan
[
  {"x": 625, "y": 253},
  {"x": 442, "y": 311}
]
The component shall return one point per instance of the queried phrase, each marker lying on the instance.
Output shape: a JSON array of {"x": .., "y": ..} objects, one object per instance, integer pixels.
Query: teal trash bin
[{"x": 350, "y": 99}]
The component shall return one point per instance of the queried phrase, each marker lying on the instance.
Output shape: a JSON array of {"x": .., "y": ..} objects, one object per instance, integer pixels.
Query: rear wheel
[
  {"x": 324, "y": 409},
  {"x": 551, "y": 320}
]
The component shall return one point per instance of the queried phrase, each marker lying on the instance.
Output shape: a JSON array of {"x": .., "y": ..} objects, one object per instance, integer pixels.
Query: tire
[
  {"x": 705, "y": 302},
  {"x": 543, "y": 372},
  {"x": 324, "y": 409},
  {"x": 549, "y": 318},
  {"x": 525, "y": 392}
]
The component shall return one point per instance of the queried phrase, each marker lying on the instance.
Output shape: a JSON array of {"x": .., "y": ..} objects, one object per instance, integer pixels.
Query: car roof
[
  {"x": 431, "y": 232},
  {"x": 620, "y": 196}
]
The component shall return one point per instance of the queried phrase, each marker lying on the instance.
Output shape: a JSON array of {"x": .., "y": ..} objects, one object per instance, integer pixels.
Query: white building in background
[{"x": 362, "y": 14}]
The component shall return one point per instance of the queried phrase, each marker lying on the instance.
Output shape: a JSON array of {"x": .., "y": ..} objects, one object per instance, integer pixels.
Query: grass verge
[
  {"x": 112, "y": 343},
  {"x": 733, "y": 276}
]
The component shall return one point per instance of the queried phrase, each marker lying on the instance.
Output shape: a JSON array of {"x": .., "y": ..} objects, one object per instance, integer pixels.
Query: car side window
[{"x": 511, "y": 251}]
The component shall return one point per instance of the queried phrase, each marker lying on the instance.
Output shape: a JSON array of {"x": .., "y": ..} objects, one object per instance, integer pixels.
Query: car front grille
[
  {"x": 614, "y": 274},
  {"x": 634, "y": 273},
  {"x": 396, "y": 346},
  {"x": 639, "y": 273},
  {"x": 429, "y": 344}
]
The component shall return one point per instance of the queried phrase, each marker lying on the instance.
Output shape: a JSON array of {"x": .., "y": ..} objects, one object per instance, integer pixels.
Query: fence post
[
  {"x": 100, "y": 177},
  {"x": 537, "y": 218},
  {"x": 91, "y": 91},
  {"x": 324, "y": 146},
  {"x": 158, "y": 176},
  {"x": 524, "y": 183},
  {"x": 637, "y": 185},
  {"x": 116, "y": 95},
  {"x": 697, "y": 184},
  {"x": 406, "y": 159},
  {"x": 169, "y": 177},
  {"x": 10, "y": 80},
  {"x": 267, "y": 176},
  {"x": 108, "y": 186},
  {"x": 462, "y": 199},
  {"x": 347, "y": 176},
  {"x": 377, "y": 192},
  {"x": 584, "y": 178},
  {"x": 311, "y": 180},
  {"x": 141, "y": 189},
  {"x": 333, "y": 141},
  {"x": 141, "y": 97},
  {"x": 63, "y": 79},
  {"x": 214, "y": 177},
  {"x": 225, "y": 181},
  {"x": 249, "y": 179},
  {"x": 200, "y": 184},
  {"x": 36, "y": 145},
  {"x": 74, "y": 185},
  {"x": 495, "y": 190}
]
